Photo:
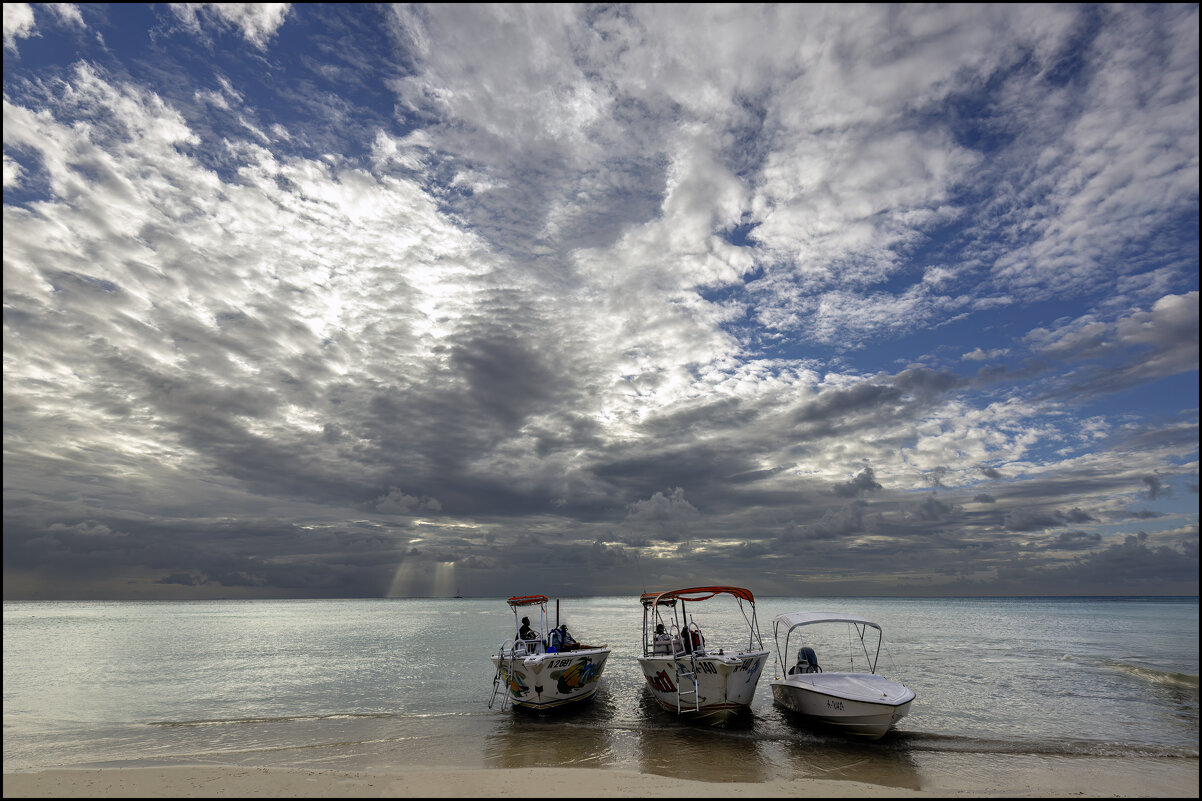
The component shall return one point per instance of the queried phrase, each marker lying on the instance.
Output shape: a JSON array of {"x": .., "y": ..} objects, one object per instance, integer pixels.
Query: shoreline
[{"x": 1012, "y": 776}]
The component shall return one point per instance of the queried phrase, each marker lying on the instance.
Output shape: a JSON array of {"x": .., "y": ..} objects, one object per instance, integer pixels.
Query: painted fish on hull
[{"x": 573, "y": 678}]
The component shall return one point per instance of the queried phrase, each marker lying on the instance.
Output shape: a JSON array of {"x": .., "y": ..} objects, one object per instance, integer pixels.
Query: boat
[
  {"x": 691, "y": 673},
  {"x": 864, "y": 704},
  {"x": 538, "y": 671}
]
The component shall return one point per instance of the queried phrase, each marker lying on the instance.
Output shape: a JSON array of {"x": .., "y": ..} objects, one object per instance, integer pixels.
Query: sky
[{"x": 339, "y": 300}]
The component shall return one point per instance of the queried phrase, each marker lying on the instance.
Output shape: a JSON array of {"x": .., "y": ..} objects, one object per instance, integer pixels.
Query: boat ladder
[
  {"x": 689, "y": 673},
  {"x": 499, "y": 686}
]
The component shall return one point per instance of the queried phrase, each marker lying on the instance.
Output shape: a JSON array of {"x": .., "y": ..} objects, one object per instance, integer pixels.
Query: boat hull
[
  {"x": 725, "y": 684},
  {"x": 860, "y": 704},
  {"x": 549, "y": 681}
]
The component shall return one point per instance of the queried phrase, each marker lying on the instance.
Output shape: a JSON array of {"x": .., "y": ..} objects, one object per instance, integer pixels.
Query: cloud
[
  {"x": 1120, "y": 567},
  {"x": 18, "y": 24},
  {"x": 12, "y": 172},
  {"x": 663, "y": 510},
  {"x": 257, "y": 22},
  {"x": 67, "y": 13},
  {"x": 1133, "y": 348},
  {"x": 837, "y": 522},
  {"x": 864, "y": 481},
  {"x": 1033, "y": 519},
  {"x": 931, "y": 509},
  {"x": 398, "y": 503},
  {"x": 1072, "y": 540},
  {"x": 494, "y": 286},
  {"x": 1093, "y": 165},
  {"x": 978, "y": 355},
  {"x": 1156, "y": 488}
]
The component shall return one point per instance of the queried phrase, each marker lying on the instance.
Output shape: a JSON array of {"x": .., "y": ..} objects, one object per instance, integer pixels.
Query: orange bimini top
[
  {"x": 526, "y": 600},
  {"x": 693, "y": 594}
]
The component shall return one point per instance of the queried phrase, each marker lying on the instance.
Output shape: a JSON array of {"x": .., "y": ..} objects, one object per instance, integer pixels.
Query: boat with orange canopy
[
  {"x": 540, "y": 667},
  {"x": 707, "y": 675}
]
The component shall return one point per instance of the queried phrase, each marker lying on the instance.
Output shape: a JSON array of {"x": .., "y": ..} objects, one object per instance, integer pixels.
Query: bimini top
[
  {"x": 526, "y": 600},
  {"x": 795, "y": 619},
  {"x": 693, "y": 594}
]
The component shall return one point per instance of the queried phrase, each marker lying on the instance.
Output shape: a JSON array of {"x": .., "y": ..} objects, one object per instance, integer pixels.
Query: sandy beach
[{"x": 1012, "y": 776}]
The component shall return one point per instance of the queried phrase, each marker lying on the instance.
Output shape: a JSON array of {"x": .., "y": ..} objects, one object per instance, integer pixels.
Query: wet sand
[{"x": 1008, "y": 776}]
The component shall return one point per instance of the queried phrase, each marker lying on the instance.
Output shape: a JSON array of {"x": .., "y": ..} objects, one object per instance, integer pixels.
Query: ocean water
[{"x": 380, "y": 685}]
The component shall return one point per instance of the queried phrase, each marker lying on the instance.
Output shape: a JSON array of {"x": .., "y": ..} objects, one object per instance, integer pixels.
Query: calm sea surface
[{"x": 385, "y": 684}]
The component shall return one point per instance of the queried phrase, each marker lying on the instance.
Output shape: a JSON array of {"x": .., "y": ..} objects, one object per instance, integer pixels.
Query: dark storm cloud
[
  {"x": 1156, "y": 488},
  {"x": 1142, "y": 514},
  {"x": 932, "y": 509},
  {"x": 1117, "y": 569},
  {"x": 864, "y": 481},
  {"x": 835, "y": 523},
  {"x": 843, "y": 405},
  {"x": 1032, "y": 519},
  {"x": 1073, "y": 540},
  {"x": 505, "y": 379},
  {"x": 338, "y": 561}
]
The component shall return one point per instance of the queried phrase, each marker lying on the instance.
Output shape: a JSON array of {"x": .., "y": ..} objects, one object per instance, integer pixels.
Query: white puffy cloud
[{"x": 18, "y": 24}]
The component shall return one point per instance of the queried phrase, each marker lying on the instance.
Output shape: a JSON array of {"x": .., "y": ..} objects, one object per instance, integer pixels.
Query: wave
[
  {"x": 926, "y": 741},
  {"x": 300, "y": 718},
  {"x": 1165, "y": 678},
  {"x": 1175, "y": 679}
]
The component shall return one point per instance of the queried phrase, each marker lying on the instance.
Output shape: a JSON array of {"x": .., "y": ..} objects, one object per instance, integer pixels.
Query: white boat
[
  {"x": 538, "y": 671},
  {"x": 865, "y": 704},
  {"x": 691, "y": 673}
]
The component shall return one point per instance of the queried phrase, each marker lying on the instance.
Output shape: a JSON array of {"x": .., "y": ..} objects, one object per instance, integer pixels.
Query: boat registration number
[
  {"x": 559, "y": 663},
  {"x": 834, "y": 704}
]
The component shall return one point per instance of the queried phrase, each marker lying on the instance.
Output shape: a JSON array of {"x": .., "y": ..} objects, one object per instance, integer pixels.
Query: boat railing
[{"x": 512, "y": 648}]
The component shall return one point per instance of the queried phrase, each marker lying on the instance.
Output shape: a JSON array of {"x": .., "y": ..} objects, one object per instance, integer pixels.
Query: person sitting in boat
[
  {"x": 525, "y": 632},
  {"x": 566, "y": 641}
]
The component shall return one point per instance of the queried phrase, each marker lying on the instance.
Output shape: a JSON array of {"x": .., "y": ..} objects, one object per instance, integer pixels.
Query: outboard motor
[{"x": 807, "y": 660}]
